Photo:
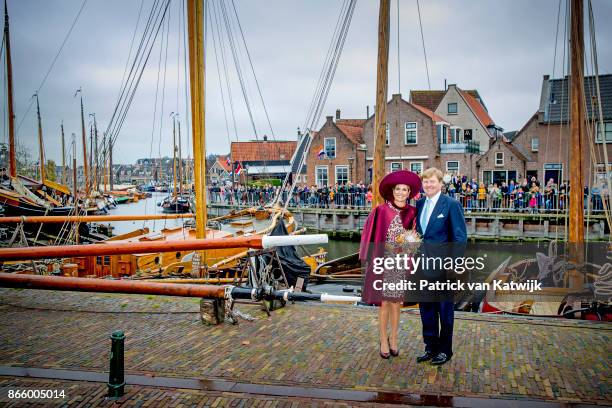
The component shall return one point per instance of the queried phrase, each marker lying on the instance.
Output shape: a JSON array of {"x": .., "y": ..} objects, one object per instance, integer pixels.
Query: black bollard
[{"x": 116, "y": 379}]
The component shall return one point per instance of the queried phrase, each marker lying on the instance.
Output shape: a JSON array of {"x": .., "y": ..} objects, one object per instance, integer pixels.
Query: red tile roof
[
  {"x": 431, "y": 99},
  {"x": 428, "y": 112},
  {"x": 262, "y": 151},
  {"x": 477, "y": 108},
  {"x": 222, "y": 160},
  {"x": 351, "y": 122},
  {"x": 353, "y": 133}
]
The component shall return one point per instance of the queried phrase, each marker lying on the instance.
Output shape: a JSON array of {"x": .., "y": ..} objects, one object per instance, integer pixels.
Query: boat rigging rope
[
  {"x": 593, "y": 42},
  {"x": 321, "y": 92},
  {"x": 422, "y": 41},
  {"x": 42, "y": 83}
]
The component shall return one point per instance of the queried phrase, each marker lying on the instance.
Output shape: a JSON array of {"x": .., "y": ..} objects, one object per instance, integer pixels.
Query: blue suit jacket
[{"x": 447, "y": 222}]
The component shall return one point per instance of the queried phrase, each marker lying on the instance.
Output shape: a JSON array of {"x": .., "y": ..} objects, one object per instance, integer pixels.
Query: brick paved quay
[{"x": 309, "y": 347}]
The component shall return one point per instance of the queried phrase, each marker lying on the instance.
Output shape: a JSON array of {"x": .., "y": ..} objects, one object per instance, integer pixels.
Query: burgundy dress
[{"x": 381, "y": 228}]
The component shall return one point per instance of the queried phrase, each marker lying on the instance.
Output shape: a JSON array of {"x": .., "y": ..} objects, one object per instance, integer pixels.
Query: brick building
[
  {"x": 337, "y": 153},
  {"x": 418, "y": 138},
  {"x": 544, "y": 139},
  {"x": 220, "y": 171},
  {"x": 262, "y": 159}
]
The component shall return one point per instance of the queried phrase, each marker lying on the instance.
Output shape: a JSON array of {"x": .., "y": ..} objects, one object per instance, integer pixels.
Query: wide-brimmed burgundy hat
[{"x": 392, "y": 179}]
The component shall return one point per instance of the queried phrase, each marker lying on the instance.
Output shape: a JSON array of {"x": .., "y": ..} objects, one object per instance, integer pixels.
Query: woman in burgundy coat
[{"x": 383, "y": 234}]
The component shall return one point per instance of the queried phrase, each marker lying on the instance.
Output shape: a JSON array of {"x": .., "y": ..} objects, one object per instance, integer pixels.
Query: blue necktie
[{"x": 426, "y": 214}]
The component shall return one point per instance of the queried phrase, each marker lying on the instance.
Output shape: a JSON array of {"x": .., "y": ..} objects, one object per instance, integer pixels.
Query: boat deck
[{"x": 325, "y": 352}]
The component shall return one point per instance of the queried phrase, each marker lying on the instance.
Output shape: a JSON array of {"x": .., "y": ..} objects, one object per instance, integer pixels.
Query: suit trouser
[{"x": 438, "y": 337}]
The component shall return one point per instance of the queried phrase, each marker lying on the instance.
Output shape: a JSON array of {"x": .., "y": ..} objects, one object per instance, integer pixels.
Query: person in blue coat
[{"x": 440, "y": 220}]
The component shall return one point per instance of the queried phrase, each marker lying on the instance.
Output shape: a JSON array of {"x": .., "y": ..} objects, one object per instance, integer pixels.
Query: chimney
[
  {"x": 329, "y": 119},
  {"x": 337, "y": 114},
  {"x": 367, "y": 111},
  {"x": 265, "y": 138}
]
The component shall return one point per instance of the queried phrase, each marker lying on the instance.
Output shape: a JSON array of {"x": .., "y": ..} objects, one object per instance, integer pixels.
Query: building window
[
  {"x": 535, "y": 144},
  {"x": 416, "y": 167},
  {"x": 607, "y": 129},
  {"x": 452, "y": 167},
  {"x": 499, "y": 158},
  {"x": 322, "y": 177},
  {"x": 410, "y": 136},
  {"x": 342, "y": 176},
  {"x": 330, "y": 147},
  {"x": 395, "y": 166},
  {"x": 455, "y": 135},
  {"x": 387, "y": 135},
  {"x": 452, "y": 108}
]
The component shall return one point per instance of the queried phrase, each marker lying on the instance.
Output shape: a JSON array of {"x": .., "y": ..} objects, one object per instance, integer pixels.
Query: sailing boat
[
  {"x": 214, "y": 263},
  {"x": 570, "y": 281},
  {"x": 176, "y": 203},
  {"x": 20, "y": 195}
]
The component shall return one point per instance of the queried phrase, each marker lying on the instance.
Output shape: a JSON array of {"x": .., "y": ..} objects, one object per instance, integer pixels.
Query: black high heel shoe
[
  {"x": 394, "y": 353},
  {"x": 384, "y": 355}
]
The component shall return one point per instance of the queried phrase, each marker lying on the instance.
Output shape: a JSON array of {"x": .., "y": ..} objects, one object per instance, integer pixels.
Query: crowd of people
[{"x": 527, "y": 195}]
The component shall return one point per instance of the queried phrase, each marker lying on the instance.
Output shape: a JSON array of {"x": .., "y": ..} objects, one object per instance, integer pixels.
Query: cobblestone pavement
[{"x": 306, "y": 345}]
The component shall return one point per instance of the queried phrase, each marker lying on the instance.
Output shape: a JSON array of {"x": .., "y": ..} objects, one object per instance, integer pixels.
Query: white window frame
[
  {"x": 317, "y": 168},
  {"x": 387, "y": 134},
  {"x": 415, "y": 130},
  {"x": 453, "y": 161},
  {"x": 607, "y": 125},
  {"x": 342, "y": 166},
  {"x": 401, "y": 166},
  {"x": 497, "y": 159},
  {"x": 456, "y": 112},
  {"x": 535, "y": 144},
  {"x": 420, "y": 163},
  {"x": 325, "y": 147},
  {"x": 457, "y": 134}
]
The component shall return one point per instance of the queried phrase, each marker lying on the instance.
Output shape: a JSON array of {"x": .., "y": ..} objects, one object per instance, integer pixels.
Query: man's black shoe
[
  {"x": 425, "y": 357},
  {"x": 440, "y": 359}
]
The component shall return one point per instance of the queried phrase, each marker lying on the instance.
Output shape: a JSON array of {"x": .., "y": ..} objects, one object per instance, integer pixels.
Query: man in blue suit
[{"x": 440, "y": 221}]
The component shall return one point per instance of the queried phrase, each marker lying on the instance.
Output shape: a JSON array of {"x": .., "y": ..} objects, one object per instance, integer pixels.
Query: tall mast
[
  {"x": 105, "y": 157},
  {"x": 174, "y": 156},
  {"x": 91, "y": 168},
  {"x": 11, "y": 111},
  {"x": 110, "y": 163},
  {"x": 96, "y": 160},
  {"x": 577, "y": 115},
  {"x": 380, "y": 118},
  {"x": 84, "y": 140},
  {"x": 64, "y": 178},
  {"x": 180, "y": 159},
  {"x": 74, "y": 184},
  {"x": 196, "y": 85},
  {"x": 41, "y": 145}
]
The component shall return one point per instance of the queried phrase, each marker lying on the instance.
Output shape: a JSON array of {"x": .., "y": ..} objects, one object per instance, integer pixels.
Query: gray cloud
[{"x": 501, "y": 48}]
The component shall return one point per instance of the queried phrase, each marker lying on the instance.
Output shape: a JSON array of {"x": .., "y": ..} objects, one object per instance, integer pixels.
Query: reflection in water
[{"x": 143, "y": 207}]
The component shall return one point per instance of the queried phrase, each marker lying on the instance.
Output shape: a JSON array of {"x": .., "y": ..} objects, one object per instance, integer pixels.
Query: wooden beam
[
  {"x": 380, "y": 118},
  {"x": 576, "y": 142}
]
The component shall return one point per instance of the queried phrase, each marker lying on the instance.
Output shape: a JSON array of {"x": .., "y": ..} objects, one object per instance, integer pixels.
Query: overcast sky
[{"x": 499, "y": 47}]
